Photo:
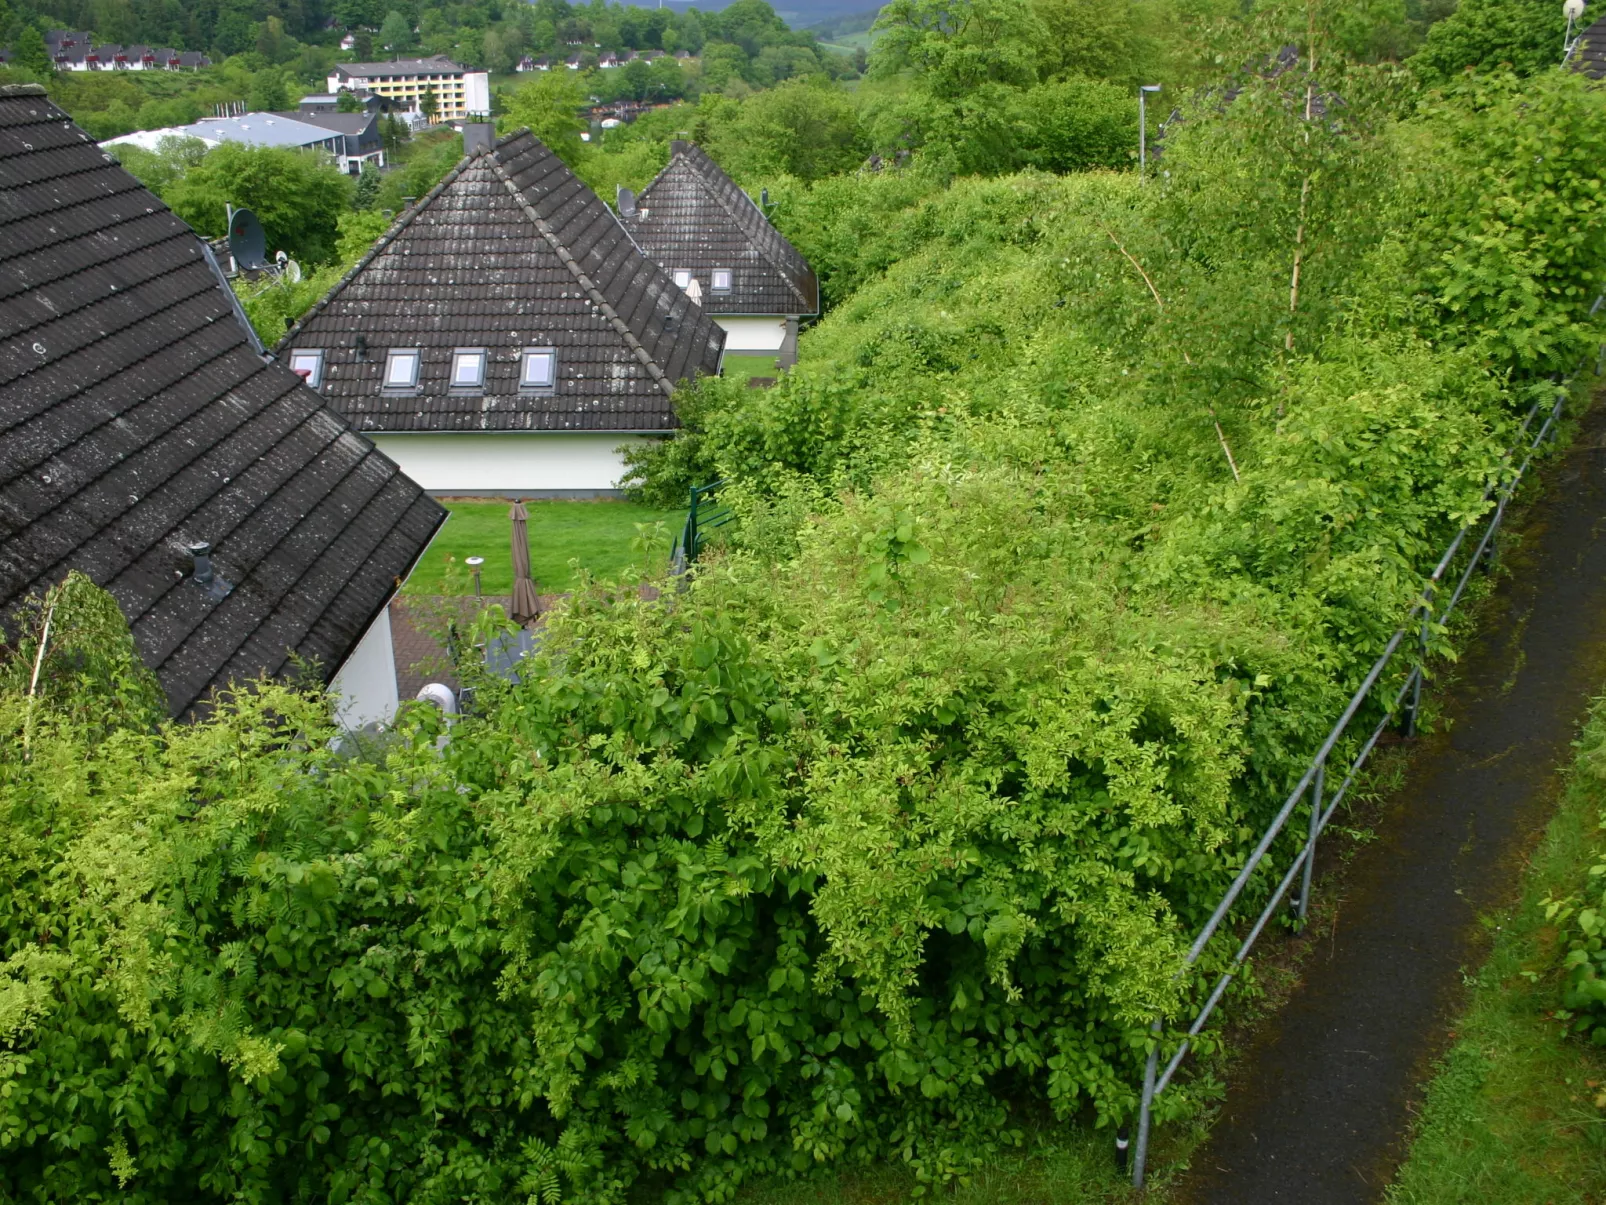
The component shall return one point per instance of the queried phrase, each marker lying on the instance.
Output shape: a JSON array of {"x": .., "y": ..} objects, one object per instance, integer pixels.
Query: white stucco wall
[
  {"x": 366, "y": 683},
  {"x": 510, "y": 462},
  {"x": 752, "y": 334}
]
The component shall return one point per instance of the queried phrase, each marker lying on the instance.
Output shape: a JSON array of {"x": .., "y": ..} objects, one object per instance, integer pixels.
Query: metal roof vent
[
  {"x": 205, "y": 576},
  {"x": 626, "y": 202}
]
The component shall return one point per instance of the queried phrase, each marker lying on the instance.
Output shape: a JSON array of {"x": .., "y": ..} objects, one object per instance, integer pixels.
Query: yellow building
[{"x": 459, "y": 92}]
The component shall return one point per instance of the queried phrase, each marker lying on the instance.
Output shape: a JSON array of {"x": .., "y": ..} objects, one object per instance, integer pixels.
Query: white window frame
[
  {"x": 310, "y": 360},
  {"x": 468, "y": 355},
  {"x": 528, "y": 355},
  {"x": 683, "y": 279},
  {"x": 393, "y": 359},
  {"x": 721, "y": 290}
]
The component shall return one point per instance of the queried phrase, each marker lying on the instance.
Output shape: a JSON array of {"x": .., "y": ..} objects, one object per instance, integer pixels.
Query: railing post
[
  {"x": 1414, "y": 711},
  {"x": 1310, "y": 844},
  {"x": 1140, "y": 1149}
]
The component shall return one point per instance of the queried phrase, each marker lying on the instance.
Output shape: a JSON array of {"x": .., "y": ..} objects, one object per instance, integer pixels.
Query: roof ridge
[
  {"x": 403, "y": 220},
  {"x": 785, "y": 270},
  {"x": 586, "y": 283}
]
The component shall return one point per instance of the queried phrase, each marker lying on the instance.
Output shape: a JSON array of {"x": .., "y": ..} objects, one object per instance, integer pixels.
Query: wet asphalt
[{"x": 1320, "y": 1113}]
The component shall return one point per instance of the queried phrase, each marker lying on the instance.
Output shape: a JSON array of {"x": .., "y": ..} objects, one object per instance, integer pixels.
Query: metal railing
[
  {"x": 1420, "y": 622},
  {"x": 703, "y": 515}
]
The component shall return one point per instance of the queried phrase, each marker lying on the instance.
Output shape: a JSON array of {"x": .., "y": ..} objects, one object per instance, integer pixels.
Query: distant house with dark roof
[
  {"x": 360, "y": 139},
  {"x": 139, "y": 420},
  {"x": 505, "y": 336},
  {"x": 699, "y": 226}
]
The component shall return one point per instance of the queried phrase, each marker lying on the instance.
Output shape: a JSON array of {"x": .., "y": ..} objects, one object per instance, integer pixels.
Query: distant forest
[{"x": 484, "y": 33}]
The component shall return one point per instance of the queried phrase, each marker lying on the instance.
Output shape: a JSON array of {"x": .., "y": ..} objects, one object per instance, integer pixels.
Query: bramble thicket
[{"x": 1087, "y": 505}]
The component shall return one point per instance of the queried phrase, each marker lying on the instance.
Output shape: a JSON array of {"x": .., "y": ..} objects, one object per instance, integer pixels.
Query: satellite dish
[
  {"x": 292, "y": 272},
  {"x": 247, "y": 244}
]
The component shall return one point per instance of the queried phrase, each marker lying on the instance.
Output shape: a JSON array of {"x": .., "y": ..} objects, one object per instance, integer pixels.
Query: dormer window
[
  {"x": 721, "y": 281},
  {"x": 683, "y": 278},
  {"x": 307, "y": 363},
  {"x": 468, "y": 368},
  {"x": 401, "y": 368},
  {"x": 538, "y": 370}
]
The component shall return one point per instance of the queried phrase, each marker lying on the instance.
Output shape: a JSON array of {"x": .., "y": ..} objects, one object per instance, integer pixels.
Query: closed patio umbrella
[{"x": 526, "y": 605}]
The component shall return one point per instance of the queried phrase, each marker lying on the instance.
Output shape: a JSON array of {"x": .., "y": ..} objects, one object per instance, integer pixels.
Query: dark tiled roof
[
  {"x": 439, "y": 65},
  {"x": 1590, "y": 56},
  {"x": 135, "y": 419},
  {"x": 694, "y": 216},
  {"x": 510, "y": 251}
]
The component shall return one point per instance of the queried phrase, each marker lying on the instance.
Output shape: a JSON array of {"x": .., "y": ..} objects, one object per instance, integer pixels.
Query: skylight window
[
  {"x": 307, "y": 362},
  {"x": 683, "y": 278},
  {"x": 468, "y": 368},
  {"x": 538, "y": 370},
  {"x": 721, "y": 282},
  {"x": 401, "y": 368}
]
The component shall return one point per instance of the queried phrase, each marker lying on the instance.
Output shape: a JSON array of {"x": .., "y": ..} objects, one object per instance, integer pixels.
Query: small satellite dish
[
  {"x": 247, "y": 244},
  {"x": 292, "y": 272}
]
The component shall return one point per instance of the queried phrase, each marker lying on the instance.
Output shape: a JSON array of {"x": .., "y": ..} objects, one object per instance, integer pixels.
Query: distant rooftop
[{"x": 438, "y": 65}]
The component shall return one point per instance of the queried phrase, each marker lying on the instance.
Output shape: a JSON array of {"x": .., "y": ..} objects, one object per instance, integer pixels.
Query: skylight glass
[
  {"x": 683, "y": 278},
  {"x": 468, "y": 368},
  {"x": 401, "y": 368},
  {"x": 721, "y": 282},
  {"x": 308, "y": 362},
  {"x": 539, "y": 369}
]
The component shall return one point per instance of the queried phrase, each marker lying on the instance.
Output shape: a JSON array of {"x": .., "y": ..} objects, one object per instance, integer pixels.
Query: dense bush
[{"x": 1057, "y": 555}]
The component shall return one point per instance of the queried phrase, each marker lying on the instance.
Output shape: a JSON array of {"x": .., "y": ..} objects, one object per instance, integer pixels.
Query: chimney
[
  {"x": 627, "y": 202},
  {"x": 478, "y": 136}
]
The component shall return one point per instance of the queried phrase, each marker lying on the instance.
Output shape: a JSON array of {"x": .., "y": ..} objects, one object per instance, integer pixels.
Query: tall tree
[
  {"x": 550, "y": 106},
  {"x": 396, "y": 34}
]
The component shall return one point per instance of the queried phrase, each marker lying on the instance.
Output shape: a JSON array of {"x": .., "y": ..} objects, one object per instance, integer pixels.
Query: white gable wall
[
  {"x": 752, "y": 334},
  {"x": 365, "y": 685},
  {"x": 528, "y": 464}
]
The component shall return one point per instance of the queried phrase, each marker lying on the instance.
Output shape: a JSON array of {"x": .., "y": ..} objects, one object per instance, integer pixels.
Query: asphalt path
[{"x": 1321, "y": 1110}]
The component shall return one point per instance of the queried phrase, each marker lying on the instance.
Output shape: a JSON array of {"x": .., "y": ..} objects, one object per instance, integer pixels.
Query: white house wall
[
  {"x": 752, "y": 334},
  {"x": 511, "y": 463},
  {"x": 366, "y": 683}
]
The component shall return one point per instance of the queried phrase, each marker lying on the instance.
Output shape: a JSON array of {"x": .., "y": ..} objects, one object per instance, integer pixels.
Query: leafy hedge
[{"x": 890, "y": 828}]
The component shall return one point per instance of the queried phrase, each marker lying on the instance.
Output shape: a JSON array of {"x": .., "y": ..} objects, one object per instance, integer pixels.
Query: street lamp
[
  {"x": 1573, "y": 10},
  {"x": 1143, "y": 120}
]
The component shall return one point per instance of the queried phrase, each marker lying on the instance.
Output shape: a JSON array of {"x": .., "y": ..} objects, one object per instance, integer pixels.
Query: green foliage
[
  {"x": 956, "y": 46},
  {"x": 29, "y": 52},
  {"x": 298, "y": 196},
  {"x": 803, "y": 128},
  {"x": 1581, "y": 916},
  {"x": 548, "y": 104},
  {"x": 1524, "y": 36},
  {"x": 396, "y": 32},
  {"x": 1514, "y": 222}
]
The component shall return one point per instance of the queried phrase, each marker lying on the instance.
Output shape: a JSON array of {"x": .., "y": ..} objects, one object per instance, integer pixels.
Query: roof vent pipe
[
  {"x": 204, "y": 575},
  {"x": 201, "y": 554},
  {"x": 627, "y": 202},
  {"x": 478, "y": 137},
  {"x": 407, "y": 203}
]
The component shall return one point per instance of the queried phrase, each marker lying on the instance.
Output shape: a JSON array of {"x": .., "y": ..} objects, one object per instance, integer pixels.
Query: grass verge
[
  {"x": 1514, "y": 1113},
  {"x": 741, "y": 366},
  {"x": 598, "y": 536}
]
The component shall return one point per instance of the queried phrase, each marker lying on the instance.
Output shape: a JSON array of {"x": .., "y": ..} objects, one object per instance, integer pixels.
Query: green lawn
[
  {"x": 1516, "y": 1112},
  {"x": 739, "y": 365},
  {"x": 596, "y": 534}
]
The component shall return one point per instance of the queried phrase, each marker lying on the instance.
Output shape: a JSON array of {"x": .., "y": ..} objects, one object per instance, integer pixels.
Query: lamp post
[
  {"x": 1573, "y": 10},
  {"x": 474, "y": 563},
  {"x": 1143, "y": 121}
]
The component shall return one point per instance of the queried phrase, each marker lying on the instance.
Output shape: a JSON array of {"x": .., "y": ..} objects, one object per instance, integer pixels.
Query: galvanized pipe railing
[{"x": 1421, "y": 620}]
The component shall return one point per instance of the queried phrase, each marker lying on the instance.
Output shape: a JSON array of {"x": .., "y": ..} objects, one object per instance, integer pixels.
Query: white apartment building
[{"x": 459, "y": 92}]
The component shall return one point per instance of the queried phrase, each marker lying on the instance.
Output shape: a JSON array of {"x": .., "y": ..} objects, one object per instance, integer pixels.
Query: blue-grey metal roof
[{"x": 262, "y": 129}]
